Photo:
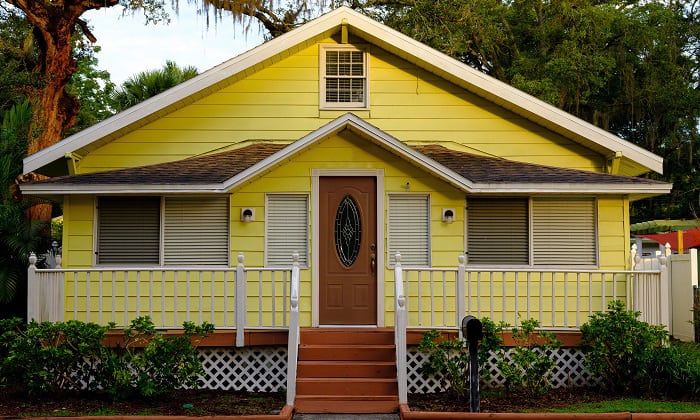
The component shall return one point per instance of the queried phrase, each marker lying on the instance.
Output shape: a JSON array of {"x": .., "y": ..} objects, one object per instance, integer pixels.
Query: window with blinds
[
  {"x": 128, "y": 230},
  {"x": 286, "y": 229},
  {"x": 195, "y": 231},
  {"x": 409, "y": 229},
  {"x": 497, "y": 231},
  {"x": 344, "y": 77},
  {"x": 564, "y": 231}
]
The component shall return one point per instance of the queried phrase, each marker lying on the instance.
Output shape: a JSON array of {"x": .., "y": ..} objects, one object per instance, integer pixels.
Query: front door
[{"x": 348, "y": 250}]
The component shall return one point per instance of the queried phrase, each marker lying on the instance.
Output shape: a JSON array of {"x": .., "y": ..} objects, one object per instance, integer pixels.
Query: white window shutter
[
  {"x": 409, "y": 229},
  {"x": 564, "y": 231},
  {"x": 195, "y": 231},
  {"x": 128, "y": 230},
  {"x": 497, "y": 231},
  {"x": 287, "y": 229}
]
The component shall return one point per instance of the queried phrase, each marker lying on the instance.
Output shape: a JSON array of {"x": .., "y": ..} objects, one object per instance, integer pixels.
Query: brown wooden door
[{"x": 348, "y": 250}]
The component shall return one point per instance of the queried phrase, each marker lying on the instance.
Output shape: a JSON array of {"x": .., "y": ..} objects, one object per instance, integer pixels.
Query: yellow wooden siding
[{"x": 280, "y": 102}]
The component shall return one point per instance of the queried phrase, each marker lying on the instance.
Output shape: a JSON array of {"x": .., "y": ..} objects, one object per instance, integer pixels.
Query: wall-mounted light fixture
[
  {"x": 407, "y": 186},
  {"x": 448, "y": 215},
  {"x": 247, "y": 215}
]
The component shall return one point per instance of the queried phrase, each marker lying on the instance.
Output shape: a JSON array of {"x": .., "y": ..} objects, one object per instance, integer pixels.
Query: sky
[{"x": 129, "y": 46}]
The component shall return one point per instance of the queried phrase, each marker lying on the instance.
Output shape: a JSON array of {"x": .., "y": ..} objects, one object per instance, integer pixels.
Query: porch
[{"x": 248, "y": 303}]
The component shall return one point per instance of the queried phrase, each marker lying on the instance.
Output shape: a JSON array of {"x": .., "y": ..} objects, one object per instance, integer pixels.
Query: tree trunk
[{"x": 54, "y": 25}]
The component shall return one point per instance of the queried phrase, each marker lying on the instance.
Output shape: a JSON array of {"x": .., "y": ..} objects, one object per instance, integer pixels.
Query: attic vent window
[{"x": 344, "y": 77}]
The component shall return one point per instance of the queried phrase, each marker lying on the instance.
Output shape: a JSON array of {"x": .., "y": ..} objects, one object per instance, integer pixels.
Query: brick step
[
  {"x": 347, "y": 336},
  {"x": 346, "y": 404},
  {"x": 347, "y": 369},
  {"x": 338, "y": 352},
  {"x": 347, "y": 386}
]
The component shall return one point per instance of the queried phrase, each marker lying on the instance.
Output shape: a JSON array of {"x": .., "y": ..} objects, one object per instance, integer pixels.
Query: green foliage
[
  {"x": 528, "y": 368},
  {"x": 621, "y": 348},
  {"x": 18, "y": 235},
  {"x": 70, "y": 356},
  {"x": 147, "y": 84},
  {"x": 164, "y": 364},
  {"x": 52, "y": 357},
  {"x": 448, "y": 361}
]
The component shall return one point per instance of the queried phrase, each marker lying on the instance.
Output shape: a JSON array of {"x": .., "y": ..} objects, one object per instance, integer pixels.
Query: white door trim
[{"x": 316, "y": 174}]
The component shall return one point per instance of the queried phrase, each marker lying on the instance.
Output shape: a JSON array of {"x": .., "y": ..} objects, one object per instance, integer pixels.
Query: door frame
[{"x": 316, "y": 174}]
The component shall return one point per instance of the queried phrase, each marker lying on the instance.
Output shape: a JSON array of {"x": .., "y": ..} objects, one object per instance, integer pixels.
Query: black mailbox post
[{"x": 472, "y": 331}]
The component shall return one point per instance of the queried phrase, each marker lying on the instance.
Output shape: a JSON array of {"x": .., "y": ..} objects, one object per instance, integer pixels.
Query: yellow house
[{"x": 333, "y": 155}]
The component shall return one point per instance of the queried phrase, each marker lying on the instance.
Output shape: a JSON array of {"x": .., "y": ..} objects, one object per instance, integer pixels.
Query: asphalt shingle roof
[{"x": 219, "y": 167}]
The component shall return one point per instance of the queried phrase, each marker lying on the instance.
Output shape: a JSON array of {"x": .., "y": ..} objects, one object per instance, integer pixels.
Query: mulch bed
[{"x": 181, "y": 403}]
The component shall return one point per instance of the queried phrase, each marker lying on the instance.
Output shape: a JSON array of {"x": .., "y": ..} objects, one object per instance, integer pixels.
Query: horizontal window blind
[
  {"x": 287, "y": 229},
  {"x": 497, "y": 231},
  {"x": 195, "y": 231},
  {"x": 564, "y": 231},
  {"x": 128, "y": 230},
  {"x": 409, "y": 229}
]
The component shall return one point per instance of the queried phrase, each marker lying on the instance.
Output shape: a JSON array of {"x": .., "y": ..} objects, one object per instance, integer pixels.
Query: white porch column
[
  {"x": 33, "y": 290},
  {"x": 241, "y": 296}
]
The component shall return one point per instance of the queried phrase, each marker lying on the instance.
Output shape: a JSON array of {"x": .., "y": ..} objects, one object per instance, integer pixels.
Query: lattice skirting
[
  {"x": 264, "y": 369},
  {"x": 255, "y": 369},
  {"x": 568, "y": 371}
]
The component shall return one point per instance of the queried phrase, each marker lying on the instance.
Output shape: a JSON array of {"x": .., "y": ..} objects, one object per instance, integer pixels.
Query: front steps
[{"x": 347, "y": 370}]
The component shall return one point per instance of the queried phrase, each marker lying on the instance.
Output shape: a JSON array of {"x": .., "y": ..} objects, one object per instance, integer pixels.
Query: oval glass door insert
[{"x": 348, "y": 231}]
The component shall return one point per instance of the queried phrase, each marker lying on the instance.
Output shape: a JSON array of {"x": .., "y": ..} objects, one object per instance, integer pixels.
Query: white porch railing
[
  {"x": 558, "y": 299},
  {"x": 239, "y": 297}
]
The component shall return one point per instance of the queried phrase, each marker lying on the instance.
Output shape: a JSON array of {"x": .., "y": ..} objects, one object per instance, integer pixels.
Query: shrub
[
  {"x": 70, "y": 356},
  {"x": 448, "y": 361},
  {"x": 52, "y": 357},
  {"x": 162, "y": 365},
  {"x": 621, "y": 349},
  {"x": 529, "y": 366}
]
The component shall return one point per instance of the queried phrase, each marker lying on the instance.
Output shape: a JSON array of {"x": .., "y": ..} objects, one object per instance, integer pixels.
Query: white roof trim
[{"x": 370, "y": 132}]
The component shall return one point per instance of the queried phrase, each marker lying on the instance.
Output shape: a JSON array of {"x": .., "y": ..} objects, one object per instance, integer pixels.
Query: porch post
[
  {"x": 400, "y": 321},
  {"x": 241, "y": 295},
  {"x": 293, "y": 334},
  {"x": 459, "y": 291},
  {"x": 33, "y": 290}
]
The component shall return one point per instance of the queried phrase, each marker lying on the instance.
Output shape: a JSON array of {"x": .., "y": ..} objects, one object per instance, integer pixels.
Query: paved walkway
[{"x": 394, "y": 416}]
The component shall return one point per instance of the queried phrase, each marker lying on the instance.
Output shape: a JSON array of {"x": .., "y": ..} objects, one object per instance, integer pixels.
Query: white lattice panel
[
  {"x": 568, "y": 371},
  {"x": 255, "y": 369}
]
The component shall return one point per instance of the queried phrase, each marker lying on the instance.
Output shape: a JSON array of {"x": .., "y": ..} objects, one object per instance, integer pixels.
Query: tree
[
  {"x": 146, "y": 84},
  {"x": 629, "y": 67}
]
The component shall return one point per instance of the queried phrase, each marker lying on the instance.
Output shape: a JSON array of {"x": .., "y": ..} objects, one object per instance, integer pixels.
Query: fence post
[
  {"x": 400, "y": 321},
  {"x": 241, "y": 296},
  {"x": 33, "y": 290},
  {"x": 459, "y": 290},
  {"x": 664, "y": 295}
]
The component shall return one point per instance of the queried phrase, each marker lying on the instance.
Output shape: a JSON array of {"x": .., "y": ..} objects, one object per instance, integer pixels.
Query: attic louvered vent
[{"x": 344, "y": 77}]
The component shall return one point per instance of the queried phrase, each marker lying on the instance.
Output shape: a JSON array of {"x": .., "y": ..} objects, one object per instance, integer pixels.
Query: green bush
[
  {"x": 448, "y": 361},
  {"x": 529, "y": 366},
  {"x": 50, "y": 357},
  {"x": 162, "y": 365},
  {"x": 622, "y": 350}
]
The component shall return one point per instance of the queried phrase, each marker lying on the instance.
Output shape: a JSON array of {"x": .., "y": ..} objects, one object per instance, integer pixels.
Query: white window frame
[
  {"x": 391, "y": 258},
  {"x": 161, "y": 234},
  {"x": 325, "y": 105},
  {"x": 303, "y": 253}
]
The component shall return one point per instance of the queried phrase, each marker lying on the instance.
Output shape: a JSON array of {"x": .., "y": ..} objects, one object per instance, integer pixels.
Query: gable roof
[
  {"x": 222, "y": 172},
  {"x": 636, "y": 159}
]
